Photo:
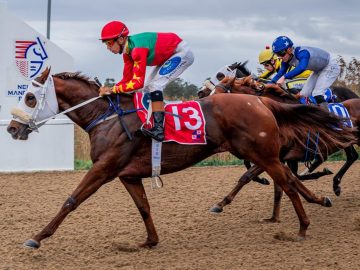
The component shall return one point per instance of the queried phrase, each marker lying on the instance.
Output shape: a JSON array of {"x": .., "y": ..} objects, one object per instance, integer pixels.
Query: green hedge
[{"x": 216, "y": 160}]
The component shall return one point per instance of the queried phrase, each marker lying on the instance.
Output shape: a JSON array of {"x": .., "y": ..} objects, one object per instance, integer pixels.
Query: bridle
[
  {"x": 223, "y": 87},
  {"x": 19, "y": 113}
]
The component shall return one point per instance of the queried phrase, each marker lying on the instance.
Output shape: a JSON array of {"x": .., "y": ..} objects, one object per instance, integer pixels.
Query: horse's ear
[
  {"x": 234, "y": 65},
  {"x": 243, "y": 64},
  {"x": 44, "y": 75}
]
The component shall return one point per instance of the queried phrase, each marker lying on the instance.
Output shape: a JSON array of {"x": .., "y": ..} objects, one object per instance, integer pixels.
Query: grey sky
[{"x": 219, "y": 32}]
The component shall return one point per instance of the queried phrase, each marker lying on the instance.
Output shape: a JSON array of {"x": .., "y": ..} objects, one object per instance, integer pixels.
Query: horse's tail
[{"x": 296, "y": 122}]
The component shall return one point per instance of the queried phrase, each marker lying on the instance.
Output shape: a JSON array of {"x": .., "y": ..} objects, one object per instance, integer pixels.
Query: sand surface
[{"x": 104, "y": 231}]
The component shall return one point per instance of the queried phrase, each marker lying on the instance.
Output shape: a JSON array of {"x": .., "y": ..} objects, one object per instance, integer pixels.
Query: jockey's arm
[
  {"x": 134, "y": 71},
  {"x": 281, "y": 72},
  {"x": 303, "y": 57}
]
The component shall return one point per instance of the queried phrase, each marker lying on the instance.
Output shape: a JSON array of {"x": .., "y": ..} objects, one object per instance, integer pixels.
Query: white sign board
[{"x": 24, "y": 54}]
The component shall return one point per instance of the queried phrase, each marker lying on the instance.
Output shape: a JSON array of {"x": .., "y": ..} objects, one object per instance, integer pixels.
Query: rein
[
  {"x": 68, "y": 110},
  {"x": 113, "y": 111}
]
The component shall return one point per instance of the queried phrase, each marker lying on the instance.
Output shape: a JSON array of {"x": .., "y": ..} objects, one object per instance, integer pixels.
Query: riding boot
[
  {"x": 321, "y": 101},
  {"x": 157, "y": 105},
  {"x": 157, "y": 131}
]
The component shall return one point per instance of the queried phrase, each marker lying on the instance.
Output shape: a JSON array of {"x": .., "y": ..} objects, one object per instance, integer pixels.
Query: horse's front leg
[
  {"x": 261, "y": 180},
  {"x": 246, "y": 178},
  {"x": 136, "y": 189},
  {"x": 308, "y": 174},
  {"x": 278, "y": 193},
  {"x": 93, "y": 180},
  {"x": 351, "y": 157}
]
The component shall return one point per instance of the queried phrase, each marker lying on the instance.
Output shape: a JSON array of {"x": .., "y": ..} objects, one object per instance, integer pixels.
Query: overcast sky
[{"x": 219, "y": 32}]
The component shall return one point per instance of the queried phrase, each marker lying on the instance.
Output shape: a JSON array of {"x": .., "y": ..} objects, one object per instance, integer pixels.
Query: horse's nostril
[{"x": 12, "y": 130}]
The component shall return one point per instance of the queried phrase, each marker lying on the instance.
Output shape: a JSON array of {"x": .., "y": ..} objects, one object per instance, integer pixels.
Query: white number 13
[{"x": 192, "y": 115}]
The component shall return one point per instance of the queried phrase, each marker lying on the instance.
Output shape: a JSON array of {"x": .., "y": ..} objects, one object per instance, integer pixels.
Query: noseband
[{"x": 226, "y": 89}]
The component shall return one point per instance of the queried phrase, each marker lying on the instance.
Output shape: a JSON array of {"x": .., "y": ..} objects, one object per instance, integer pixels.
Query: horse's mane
[{"x": 74, "y": 75}]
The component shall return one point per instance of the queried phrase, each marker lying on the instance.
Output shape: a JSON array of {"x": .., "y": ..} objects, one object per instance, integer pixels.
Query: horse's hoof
[
  {"x": 264, "y": 181},
  {"x": 337, "y": 191},
  {"x": 271, "y": 220},
  {"x": 148, "y": 244},
  {"x": 327, "y": 171},
  {"x": 216, "y": 209},
  {"x": 327, "y": 202},
  {"x": 31, "y": 243},
  {"x": 300, "y": 238}
]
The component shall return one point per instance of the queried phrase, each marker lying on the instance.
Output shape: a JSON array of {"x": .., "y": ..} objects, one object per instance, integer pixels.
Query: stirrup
[
  {"x": 149, "y": 133},
  {"x": 156, "y": 182}
]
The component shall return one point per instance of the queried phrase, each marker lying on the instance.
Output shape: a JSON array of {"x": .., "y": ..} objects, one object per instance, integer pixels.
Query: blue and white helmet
[{"x": 281, "y": 43}]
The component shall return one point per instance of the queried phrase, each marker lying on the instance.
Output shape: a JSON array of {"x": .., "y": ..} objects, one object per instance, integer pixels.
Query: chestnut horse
[
  {"x": 249, "y": 86},
  {"x": 244, "y": 125}
]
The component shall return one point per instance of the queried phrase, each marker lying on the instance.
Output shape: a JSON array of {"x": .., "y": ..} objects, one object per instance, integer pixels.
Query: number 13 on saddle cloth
[{"x": 184, "y": 121}]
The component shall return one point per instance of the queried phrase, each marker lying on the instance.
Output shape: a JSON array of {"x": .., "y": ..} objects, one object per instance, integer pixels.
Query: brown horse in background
[
  {"x": 249, "y": 86},
  {"x": 229, "y": 127}
]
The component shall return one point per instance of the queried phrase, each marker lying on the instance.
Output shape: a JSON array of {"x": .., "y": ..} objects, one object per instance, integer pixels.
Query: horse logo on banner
[{"x": 30, "y": 56}]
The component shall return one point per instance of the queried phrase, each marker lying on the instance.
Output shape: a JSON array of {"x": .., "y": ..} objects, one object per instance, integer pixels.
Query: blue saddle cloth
[
  {"x": 340, "y": 110},
  {"x": 335, "y": 108}
]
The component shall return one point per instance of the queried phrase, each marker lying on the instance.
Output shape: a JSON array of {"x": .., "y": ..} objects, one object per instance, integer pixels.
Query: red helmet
[{"x": 114, "y": 29}]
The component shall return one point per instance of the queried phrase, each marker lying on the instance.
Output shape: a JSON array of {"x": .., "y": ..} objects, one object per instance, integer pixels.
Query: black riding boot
[
  {"x": 157, "y": 131},
  {"x": 321, "y": 101}
]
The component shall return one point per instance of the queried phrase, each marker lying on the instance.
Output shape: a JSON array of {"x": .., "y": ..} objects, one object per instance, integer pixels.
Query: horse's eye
[
  {"x": 220, "y": 76},
  {"x": 30, "y": 100}
]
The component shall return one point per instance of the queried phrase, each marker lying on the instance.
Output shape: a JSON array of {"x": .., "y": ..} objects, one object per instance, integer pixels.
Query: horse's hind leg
[
  {"x": 136, "y": 189},
  {"x": 92, "y": 181},
  {"x": 351, "y": 157},
  {"x": 306, "y": 193},
  {"x": 246, "y": 178},
  {"x": 282, "y": 175}
]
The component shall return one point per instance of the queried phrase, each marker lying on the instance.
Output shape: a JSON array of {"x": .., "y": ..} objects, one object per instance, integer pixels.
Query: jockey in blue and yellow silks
[{"x": 325, "y": 68}]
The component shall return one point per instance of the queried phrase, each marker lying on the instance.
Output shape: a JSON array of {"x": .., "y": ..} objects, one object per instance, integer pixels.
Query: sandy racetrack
[{"x": 103, "y": 232}]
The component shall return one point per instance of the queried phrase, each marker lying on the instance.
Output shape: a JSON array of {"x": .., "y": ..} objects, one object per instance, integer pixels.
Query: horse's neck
[
  {"x": 282, "y": 99},
  {"x": 71, "y": 93},
  {"x": 251, "y": 91}
]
